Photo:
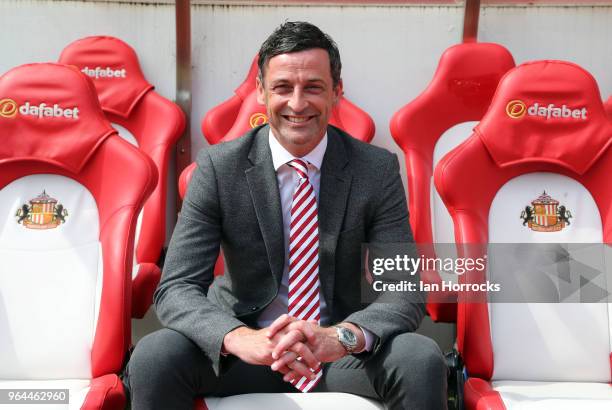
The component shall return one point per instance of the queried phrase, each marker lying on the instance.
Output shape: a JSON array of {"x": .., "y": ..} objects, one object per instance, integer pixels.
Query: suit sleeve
[
  {"x": 392, "y": 312},
  {"x": 181, "y": 299}
]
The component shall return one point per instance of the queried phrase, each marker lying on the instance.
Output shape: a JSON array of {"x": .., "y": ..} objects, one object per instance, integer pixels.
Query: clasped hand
[
  {"x": 302, "y": 341},
  {"x": 295, "y": 348}
]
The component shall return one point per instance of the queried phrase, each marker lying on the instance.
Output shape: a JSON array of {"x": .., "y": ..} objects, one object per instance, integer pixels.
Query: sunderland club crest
[
  {"x": 42, "y": 212},
  {"x": 546, "y": 215}
]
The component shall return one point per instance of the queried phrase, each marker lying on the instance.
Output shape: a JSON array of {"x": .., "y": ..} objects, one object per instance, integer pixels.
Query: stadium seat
[
  {"x": 432, "y": 124},
  {"x": 535, "y": 171},
  {"x": 148, "y": 121},
  {"x": 66, "y": 238}
]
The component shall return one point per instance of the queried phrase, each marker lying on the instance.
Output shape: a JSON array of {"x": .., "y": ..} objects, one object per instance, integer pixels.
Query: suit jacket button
[{"x": 253, "y": 308}]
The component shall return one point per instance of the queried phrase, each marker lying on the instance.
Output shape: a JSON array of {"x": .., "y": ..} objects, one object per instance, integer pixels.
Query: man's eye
[
  {"x": 281, "y": 89},
  {"x": 314, "y": 89}
]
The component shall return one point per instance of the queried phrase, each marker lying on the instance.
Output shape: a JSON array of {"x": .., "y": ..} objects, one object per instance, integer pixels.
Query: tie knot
[{"x": 300, "y": 167}]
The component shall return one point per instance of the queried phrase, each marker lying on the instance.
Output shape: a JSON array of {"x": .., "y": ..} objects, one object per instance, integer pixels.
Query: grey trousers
[{"x": 167, "y": 370}]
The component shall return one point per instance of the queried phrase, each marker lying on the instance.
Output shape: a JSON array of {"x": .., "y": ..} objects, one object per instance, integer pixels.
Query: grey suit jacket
[{"x": 233, "y": 200}]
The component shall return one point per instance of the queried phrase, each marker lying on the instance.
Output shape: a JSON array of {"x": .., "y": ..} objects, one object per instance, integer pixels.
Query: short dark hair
[{"x": 294, "y": 36}]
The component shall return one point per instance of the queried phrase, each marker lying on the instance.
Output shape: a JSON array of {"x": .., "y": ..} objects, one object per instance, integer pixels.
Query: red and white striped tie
[{"x": 304, "y": 258}]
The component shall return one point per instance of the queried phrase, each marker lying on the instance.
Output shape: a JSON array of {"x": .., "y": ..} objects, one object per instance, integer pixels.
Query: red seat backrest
[
  {"x": 460, "y": 92},
  {"x": 131, "y": 102}
]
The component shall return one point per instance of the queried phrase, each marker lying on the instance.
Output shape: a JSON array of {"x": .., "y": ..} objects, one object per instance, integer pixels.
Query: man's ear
[
  {"x": 338, "y": 91},
  {"x": 261, "y": 94}
]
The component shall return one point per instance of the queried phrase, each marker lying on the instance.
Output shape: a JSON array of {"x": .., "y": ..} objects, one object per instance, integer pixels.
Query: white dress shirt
[{"x": 288, "y": 180}]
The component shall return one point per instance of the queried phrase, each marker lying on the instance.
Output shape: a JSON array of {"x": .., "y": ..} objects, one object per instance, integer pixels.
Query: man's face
[{"x": 299, "y": 95}]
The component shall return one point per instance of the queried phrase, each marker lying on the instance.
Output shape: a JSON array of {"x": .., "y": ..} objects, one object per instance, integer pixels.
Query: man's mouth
[{"x": 297, "y": 119}]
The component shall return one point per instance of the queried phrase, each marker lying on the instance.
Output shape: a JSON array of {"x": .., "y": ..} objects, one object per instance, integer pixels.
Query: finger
[
  {"x": 286, "y": 342},
  {"x": 278, "y": 324},
  {"x": 284, "y": 361},
  {"x": 291, "y": 376},
  {"x": 307, "y": 329},
  {"x": 284, "y": 370},
  {"x": 301, "y": 350},
  {"x": 302, "y": 370}
]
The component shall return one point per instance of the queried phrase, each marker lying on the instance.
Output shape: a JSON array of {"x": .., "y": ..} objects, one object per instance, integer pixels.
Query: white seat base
[
  {"x": 292, "y": 401},
  {"x": 554, "y": 395}
]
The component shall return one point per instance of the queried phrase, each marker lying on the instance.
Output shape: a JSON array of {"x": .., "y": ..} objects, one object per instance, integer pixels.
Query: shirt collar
[{"x": 280, "y": 156}]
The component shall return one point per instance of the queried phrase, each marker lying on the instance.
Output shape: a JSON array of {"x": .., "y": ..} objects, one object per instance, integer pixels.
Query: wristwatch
[{"x": 347, "y": 338}]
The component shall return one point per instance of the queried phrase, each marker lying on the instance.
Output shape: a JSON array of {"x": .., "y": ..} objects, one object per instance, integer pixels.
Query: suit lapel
[
  {"x": 263, "y": 187},
  {"x": 333, "y": 196}
]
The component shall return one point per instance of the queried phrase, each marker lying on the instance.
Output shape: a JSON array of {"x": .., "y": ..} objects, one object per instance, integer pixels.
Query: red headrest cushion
[
  {"x": 461, "y": 90},
  {"x": 50, "y": 112},
  {"x": 549, "y": 111},
  {"x": 113, "y": 66}
]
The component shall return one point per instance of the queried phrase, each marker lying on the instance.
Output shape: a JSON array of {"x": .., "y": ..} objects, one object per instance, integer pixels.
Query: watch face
[{"x": 348, "y": 337}]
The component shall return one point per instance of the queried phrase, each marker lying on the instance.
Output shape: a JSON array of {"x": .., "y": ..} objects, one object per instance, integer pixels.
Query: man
[{"x": 291, "y": 203}]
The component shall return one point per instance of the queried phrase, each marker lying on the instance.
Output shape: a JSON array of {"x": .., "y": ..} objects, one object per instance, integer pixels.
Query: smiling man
[{"x": 290, "y": 203}]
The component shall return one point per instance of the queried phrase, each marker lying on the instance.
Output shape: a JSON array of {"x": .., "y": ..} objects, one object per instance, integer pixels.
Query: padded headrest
[
  {"x": 546, "y": 111},
  {"x": 113, "y": 66},
  {"x": 50, "y": 112},
  {"x": 460, "y": 91},
  {"x": 468, "y": 73}
]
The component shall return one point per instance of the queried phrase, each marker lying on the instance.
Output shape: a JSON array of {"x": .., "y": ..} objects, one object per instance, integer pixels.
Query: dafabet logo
[
  {"x": 9, "y": 109},
  {"x": 518, "y": 109},
  {"x": 258, "y": 119},
  {"x": 106, "y": 72}
]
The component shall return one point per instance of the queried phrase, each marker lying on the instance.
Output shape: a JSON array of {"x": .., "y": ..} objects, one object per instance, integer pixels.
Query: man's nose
[{"x": 297, "y": 102}]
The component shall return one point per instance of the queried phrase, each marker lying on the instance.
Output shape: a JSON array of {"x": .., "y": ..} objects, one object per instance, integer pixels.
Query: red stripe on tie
[
  {"x": 313, "y": 310},
  {"x": 303, "y": 304},
  {"x": 297, "y": 193},
  {"x": 297, "y": 286},
  {"x": 296, "y": 273},
  {"x": 307, "y": 289},
  {"x": 300, "y": 201},
  {"x": 306, "y": 222},
  {"x": 308, "y": 238}
]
